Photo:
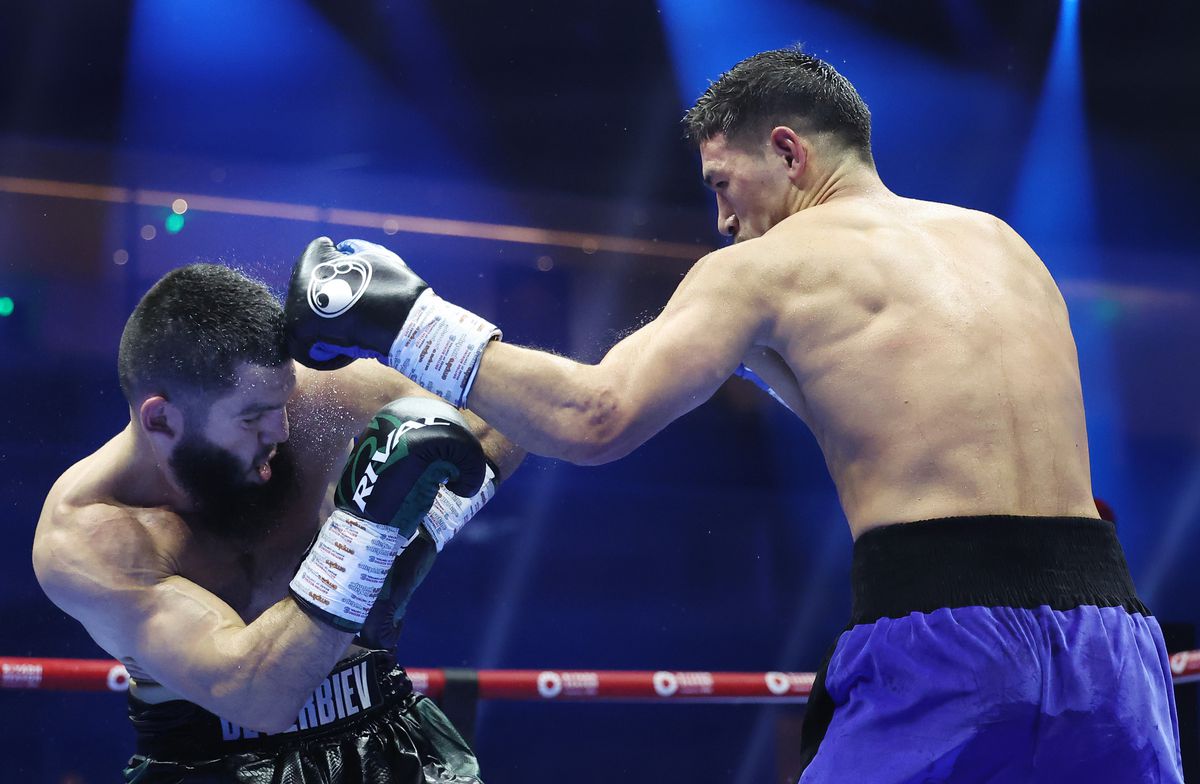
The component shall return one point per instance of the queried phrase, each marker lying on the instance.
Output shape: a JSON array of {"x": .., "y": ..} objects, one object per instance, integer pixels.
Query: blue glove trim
[
  {"x": 350, "y": 247},
  {"x": 323, "y": 352}
]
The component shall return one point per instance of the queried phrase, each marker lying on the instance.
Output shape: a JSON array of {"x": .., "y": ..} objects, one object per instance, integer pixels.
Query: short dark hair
[
  {"x": 193, "y": 329},
  {"x": 781, "y": 87}
]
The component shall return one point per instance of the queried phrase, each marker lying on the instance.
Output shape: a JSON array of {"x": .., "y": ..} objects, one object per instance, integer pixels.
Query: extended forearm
[{"x": 549, "y": 405}]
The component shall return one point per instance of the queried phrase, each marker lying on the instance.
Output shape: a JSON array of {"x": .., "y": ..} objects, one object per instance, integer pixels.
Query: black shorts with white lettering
[{"x": 364, "y": 717}]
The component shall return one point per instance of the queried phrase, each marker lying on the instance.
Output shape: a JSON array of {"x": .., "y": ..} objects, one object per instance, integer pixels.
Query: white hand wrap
[
  {"x": 451, "y": 512},
  {"x": 345, "y": 569},
  {"x": 439, "y": 347}
]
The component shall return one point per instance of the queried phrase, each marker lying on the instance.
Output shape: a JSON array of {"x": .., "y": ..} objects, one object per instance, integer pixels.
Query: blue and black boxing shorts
[
  {"x": 994, "y": 649},
  {"x": 364, "y": 723}
]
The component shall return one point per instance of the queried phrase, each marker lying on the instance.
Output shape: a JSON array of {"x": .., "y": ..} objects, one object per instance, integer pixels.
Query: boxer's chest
[{"x": 252, "y": 578}]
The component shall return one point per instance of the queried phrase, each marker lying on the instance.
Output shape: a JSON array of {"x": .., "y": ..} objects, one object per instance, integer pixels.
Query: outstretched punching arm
[{"x": 549, "y": 405}]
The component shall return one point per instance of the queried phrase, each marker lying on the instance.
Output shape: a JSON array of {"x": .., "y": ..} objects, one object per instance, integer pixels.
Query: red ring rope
[
  {"x": 63, "y": 674},
  {"x": 110, "y": 675}
]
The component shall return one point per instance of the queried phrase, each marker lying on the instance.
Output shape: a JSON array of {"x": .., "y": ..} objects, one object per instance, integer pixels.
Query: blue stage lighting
[
  {"x": 1054, "y": 209},
  {"x": 267, "y": 80}
]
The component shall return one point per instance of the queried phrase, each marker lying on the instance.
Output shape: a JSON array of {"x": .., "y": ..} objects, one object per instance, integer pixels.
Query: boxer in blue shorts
[
  {"x": 997, "y": 636},
  {"x": 994, "y": 648}
]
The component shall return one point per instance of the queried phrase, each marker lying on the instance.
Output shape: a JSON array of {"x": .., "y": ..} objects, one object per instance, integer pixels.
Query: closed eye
[{"x": 254, "y": 414}]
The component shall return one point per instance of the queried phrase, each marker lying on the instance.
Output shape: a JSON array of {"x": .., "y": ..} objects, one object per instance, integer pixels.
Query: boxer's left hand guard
[{"x": 449, "y": 513}]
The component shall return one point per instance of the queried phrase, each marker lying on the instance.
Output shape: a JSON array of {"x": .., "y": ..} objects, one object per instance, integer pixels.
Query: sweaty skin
[
  {"x": 925, "y": 345},
  {"x": 209, "y": 619}
]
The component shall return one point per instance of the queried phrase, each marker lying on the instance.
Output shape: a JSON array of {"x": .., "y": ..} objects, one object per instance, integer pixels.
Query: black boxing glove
[
  {"x": 361, "y": 300},
  {"x": 409, "y": 450}
]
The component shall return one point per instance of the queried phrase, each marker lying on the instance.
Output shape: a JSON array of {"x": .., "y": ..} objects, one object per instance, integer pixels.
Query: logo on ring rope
[
  {"x": 549, "y": 684},
  {"x": 334, "y": 286},
  {"x": 28, "y": 676},
  {"x": 665, "y": 683},
  {"x": 118, "y": 678},
  {"x": 778, "y": 683},
  {"x": 781, "y": 683},
  {"x": 572, "y": 683}
]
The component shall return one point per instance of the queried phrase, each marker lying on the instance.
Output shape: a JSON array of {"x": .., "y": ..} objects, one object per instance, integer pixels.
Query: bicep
[
  {"x": 167, "y": 624},
  {"x": 101, "y": 565},
  {"x": 188, "y": 639},
  {"x": 678, "y": 361},
  {"x": 350, "y": 396},
  {"x": 181, "y": 637}
]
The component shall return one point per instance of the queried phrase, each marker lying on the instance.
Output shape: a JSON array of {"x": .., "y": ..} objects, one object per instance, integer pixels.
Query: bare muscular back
[{"x": 929, "y": 351}]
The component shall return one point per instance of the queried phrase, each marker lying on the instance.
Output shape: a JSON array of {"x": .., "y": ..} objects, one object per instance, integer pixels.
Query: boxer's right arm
[
  {"x": 550, "y": 405},
  {"x": 101, "y": 565}
]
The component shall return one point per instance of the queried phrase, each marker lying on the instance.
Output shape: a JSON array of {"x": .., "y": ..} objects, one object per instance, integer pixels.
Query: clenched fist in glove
[{"x": 359, "y": 299}]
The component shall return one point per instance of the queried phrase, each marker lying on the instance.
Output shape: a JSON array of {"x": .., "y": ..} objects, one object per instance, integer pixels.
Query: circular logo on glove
[{"x": 334, "y": 286}]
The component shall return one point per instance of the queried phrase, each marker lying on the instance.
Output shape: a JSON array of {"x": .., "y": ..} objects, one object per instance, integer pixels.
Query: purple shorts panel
[{"x": 999, "y": 695}]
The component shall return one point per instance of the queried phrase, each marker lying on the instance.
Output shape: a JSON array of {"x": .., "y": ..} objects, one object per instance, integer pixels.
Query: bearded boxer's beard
[{"x": 225, "y": 503}]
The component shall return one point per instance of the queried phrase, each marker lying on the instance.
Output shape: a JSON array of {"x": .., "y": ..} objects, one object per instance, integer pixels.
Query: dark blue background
[{"x": 717, "y": 546}]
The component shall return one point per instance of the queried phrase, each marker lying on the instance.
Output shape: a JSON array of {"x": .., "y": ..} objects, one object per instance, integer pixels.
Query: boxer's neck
[
  {"x": 847, "y": 177},
  {"x": 144, "y": 477}
]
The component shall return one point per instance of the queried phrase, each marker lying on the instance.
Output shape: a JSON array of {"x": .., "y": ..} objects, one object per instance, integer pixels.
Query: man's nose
[
  {"x": 727, "y": 222},
  {"x": 728, "y": 225},
  {"x": 279, "y": 429}
]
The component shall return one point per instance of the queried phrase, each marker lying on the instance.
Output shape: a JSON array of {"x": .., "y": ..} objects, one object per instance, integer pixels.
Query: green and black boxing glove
[
  {"x": 448, "y": 514},
  {"x": 410, "y": 450}
]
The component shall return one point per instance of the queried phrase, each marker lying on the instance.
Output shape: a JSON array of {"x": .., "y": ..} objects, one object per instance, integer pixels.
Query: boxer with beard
[
  {"x": 228, "y": 503},
  {"x": 176, "y": 545}
]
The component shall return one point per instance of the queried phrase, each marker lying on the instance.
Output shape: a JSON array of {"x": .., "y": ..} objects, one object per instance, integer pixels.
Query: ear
[
  {"x": 160, "y": 418},
  {"x": 786, "y": 144}
]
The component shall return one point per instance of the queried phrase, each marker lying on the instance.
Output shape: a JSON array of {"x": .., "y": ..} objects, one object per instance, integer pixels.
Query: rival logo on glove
[
  {"x": 334, "y": 286},
  {"x": 383, "y": 456}
]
